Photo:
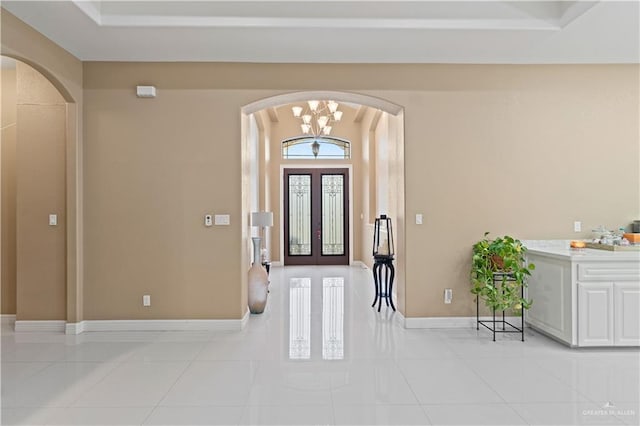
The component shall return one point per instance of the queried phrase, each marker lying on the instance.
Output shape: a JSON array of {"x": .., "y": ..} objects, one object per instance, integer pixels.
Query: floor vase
[{"x": 258, "y": 282}]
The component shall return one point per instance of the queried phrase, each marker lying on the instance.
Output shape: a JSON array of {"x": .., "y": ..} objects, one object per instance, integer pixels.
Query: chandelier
[{"x": 317, "y": 119}]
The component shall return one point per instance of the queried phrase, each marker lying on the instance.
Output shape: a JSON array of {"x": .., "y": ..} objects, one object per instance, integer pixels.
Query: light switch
[
  {"x": 222, "y": 219},
  {"x": 53, "y": 220},
  {"x": 577, "y": 226},
  {"x": 419, "y": 219},
  {"x": 208, "y": 220}
]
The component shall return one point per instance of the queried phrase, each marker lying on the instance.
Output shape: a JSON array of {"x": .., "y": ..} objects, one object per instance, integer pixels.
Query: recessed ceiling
[{"x": 337, "y": 31}]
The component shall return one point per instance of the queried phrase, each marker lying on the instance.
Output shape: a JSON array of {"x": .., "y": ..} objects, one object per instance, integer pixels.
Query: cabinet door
[
  {"x": 627, "y": 313},
  {"x": 595, "y": 314}
]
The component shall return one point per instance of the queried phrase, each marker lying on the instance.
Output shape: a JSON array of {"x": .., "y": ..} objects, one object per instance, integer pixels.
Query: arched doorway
[
  {"x": 379, "y": 172},
  {"x": 39, "y": 199}
]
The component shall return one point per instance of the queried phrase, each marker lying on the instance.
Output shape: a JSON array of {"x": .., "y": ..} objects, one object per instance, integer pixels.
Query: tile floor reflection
[
  {"x": 332, "y": 317},
  {"x": 319, "y": 354},
  {"x": 300, "y": 318}
]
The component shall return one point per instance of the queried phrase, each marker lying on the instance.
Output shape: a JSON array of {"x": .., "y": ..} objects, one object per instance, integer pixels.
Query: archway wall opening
[
  {"x": 376, "y": 183},
  {"x": 60, "y": 87},
  {"x": 33, "y": 187}
]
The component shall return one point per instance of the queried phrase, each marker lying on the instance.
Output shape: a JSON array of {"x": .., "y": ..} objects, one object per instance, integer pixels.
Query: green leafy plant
[{"x": 503, "y": 254}]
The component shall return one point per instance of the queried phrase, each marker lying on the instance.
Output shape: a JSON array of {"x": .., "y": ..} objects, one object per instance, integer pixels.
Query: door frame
[{"x": 315, "y": 165}]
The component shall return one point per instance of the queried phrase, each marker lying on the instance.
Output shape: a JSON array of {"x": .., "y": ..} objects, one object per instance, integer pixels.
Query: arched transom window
[{"x": 319, "y": 147}]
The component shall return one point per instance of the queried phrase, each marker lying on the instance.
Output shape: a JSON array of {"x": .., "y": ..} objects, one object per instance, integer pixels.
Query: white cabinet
[
  {"x": 595, "y": 314},
  {"x": 626, "y": 323},
  {"x": 608, "y": 304},
  {"x": 586, "y": 298},
  {"x": 550, "y": 289},
  {"x": 609, "y": 314}
]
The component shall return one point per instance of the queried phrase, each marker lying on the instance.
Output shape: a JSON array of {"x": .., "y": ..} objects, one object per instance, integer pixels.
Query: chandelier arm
[{"x": 322, "y": 109}]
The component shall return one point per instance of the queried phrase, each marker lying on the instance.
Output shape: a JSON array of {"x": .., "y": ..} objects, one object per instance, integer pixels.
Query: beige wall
[
  {"x": 8, "y": 98},
  {"x": 264, "y": 166},
  {"x": 33, "y": 186},
  {"x": 22, "y": 42},
  {"x": 368, "y": 185},
  {"x": 383, "y": 178},
  {"x": 486, "y": 148},
  {"x": 64, "y": 71},
  {"x": 521, "y": 153},
  {"x": 40, "y": 178},
  {"x": 149, "y": 181},
  {"x": 8, "y": 156}
]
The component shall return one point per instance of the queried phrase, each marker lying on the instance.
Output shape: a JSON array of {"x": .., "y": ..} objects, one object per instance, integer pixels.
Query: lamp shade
[{"x": 262, "y": 219}]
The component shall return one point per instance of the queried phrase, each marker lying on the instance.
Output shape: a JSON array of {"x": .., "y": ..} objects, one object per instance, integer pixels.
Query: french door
[{"x": 316, "y": 216}]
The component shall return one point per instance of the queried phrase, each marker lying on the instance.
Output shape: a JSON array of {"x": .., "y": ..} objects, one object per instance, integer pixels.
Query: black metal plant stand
[
  {"x": 383, "y": 262},
  {"x": 498, "y": 279}
]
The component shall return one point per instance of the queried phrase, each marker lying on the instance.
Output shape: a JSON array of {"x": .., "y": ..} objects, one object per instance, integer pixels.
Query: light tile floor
[{"x": 319, "y": 354}]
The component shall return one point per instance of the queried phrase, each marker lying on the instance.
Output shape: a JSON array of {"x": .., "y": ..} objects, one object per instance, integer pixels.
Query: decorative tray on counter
[{"x": 611, "y": 247}]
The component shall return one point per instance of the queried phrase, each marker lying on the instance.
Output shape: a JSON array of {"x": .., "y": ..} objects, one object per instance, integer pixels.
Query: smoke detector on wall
[{"x": 146, "y": 91}]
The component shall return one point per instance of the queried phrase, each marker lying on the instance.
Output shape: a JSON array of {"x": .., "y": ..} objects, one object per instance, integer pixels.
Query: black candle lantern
[
  {"x": 383, "y": 238},
  {"x": 383, "y": 270}
]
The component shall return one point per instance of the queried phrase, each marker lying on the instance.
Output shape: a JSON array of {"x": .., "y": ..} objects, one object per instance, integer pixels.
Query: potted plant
[{"x": 503, "y": 255}]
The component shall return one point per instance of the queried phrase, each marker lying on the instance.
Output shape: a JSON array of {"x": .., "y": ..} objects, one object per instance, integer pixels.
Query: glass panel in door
[
  {"x": 316, "y": 217},
  {"x": 299, "y": 217},
  {"x": 333, "y": 215}
]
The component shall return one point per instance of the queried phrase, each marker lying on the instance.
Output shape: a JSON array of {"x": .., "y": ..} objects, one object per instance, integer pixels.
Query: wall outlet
[
  {"x": 208, "y": 220},
  {"x": 577, "y": 226},
  {"x": 448, "y": 295},
  {"x": 146, "y": 300}
]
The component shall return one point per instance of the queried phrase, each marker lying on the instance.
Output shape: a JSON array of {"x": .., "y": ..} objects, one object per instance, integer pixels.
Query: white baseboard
[
  {"x": 157, "y": 325},
  {"x": 245, "y": 319},
  {"x": 126, "y": 325},
  {"x": 276, "y": 263},
  {"x": 42, "y": 326},
  {"x": 74, "y": 327},
  {"x": 451, "y": 322},
  {"x": 359, "y": 264},
  {"x": 8, "y": 319}
]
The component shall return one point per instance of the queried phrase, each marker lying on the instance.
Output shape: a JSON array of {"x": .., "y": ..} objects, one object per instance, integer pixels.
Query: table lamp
[{"x": 260, "y": 220}]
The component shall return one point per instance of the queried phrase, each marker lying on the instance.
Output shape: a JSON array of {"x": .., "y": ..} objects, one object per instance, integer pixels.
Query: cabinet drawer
[{"x": 609, "y": 271}]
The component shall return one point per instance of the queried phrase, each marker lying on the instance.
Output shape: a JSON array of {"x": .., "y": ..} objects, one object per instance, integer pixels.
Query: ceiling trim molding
[
  {"x": 576, "y": 10},
  {"x": 133, "y": 21},
  {"x": 91, "y": 9}
]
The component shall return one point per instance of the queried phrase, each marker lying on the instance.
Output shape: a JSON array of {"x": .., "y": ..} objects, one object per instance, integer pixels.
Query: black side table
[{"x": 383, "y": 262}]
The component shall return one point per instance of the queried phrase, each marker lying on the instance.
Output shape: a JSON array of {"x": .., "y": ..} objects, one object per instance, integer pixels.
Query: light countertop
[{"x": 561, "y": 249}]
